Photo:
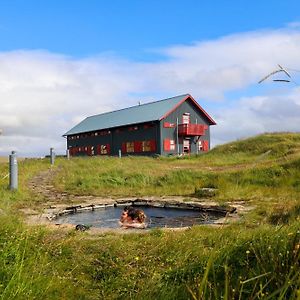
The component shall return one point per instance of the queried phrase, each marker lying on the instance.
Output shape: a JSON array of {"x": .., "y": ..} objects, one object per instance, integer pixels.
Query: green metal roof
[{"x": 147, "y": 112}]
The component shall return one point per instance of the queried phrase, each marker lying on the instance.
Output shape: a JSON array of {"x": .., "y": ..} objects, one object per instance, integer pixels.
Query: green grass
[
  {"x": 247, "y": 173},
  {"x": 231, "y": 263},
  {"x": 256, "y": 258}
]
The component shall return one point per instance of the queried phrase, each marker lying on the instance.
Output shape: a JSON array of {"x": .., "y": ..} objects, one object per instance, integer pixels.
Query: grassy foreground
[{"x": 257, "y": 258}]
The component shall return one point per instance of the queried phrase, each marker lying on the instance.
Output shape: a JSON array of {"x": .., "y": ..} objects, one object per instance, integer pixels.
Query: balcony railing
[{"x": 190, "y": 129}]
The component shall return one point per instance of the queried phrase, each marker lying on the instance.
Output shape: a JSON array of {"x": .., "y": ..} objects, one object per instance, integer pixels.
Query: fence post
[
  {"x": 52, "y": 156},
  {"x": 68, "y": 154},
  {"x": 13, "y": 171}
]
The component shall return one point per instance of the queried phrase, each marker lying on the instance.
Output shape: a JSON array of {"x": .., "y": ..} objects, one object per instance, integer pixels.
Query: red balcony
[{"x": 190, "y": 129}]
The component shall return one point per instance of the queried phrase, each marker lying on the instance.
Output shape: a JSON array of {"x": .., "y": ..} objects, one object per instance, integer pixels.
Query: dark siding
[
  {"x": 116, "y": 136},
  {"x": 123, "y": 134},
  {"x": 171, "y": 133}
]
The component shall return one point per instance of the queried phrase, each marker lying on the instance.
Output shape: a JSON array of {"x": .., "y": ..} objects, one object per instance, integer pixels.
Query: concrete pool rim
[{"x": 227, "y": 212}]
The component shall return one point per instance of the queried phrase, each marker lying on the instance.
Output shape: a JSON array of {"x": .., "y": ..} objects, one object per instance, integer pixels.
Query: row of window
[
  {"x": 139, "y": 146},
  {"x": 136, "y": 147},
  {"x": 107, "y": 132},
  {"x": 90, "y": 150},
  {"x": 92, "y": 134},
  {"x": 127, "y": 147},
  {"x": 170, "y": 145}
]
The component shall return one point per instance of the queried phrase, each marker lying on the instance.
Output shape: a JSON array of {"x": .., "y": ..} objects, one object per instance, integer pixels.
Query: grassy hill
[
  {"x": 263, "y": 170},
  {"x": 256, "y": 258}
]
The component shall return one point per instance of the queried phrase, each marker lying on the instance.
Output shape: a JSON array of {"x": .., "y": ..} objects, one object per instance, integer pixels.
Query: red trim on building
[
  {"x": 167, "y": 145},
  {"x": 174, "y": 108},
  {"x": 138, "y": 146},
  {"x": 211, "y": 121},
  {"x": 169, "y": 125},
  {"x": 153, "y": 145},
  {"x": 123, "y": 148},
  {"x": 89, "y": 150},
  {"x": 205, "y": 145}
]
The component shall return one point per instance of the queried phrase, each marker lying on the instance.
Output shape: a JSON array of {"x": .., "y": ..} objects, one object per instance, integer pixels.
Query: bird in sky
[{"x": 280, "y": 69}]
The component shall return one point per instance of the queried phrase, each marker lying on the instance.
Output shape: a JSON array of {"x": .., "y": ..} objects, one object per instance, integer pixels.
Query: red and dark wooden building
[{"x": 177, "y": 125}]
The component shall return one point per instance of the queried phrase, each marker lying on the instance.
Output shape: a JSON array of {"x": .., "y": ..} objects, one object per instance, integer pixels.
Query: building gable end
[{"x": 195, "y": 103}]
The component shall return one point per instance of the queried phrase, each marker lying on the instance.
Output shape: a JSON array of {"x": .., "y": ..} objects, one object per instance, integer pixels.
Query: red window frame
[{"x": 101, "y": 151}]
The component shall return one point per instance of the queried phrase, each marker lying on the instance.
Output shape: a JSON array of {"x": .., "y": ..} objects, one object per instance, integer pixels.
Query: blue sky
[
  {"x": 61, "y": 61},
  {"x": 132, "y": 28}
]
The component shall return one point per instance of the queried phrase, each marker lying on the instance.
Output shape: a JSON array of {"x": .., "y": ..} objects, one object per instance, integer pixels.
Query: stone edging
[{"x": 224, "y": 211}]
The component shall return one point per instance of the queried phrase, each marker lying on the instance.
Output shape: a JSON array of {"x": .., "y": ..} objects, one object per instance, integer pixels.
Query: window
[
  {"x": 186, "y": 146},
  {"x": 148, "y": 125},
  {"x": 130, "y": 147},
  {"x": 139, "y": 146},
  {"x": 103, "y": 149},
  {"x": 186, "y": 118},
  {"x": 118, "y": 130},
  {"x": 172, "y": 145},
  {"x": 146, "y": 146},
  {"x": 133, "y": 128},
  {"x": 200, "y": 146},
  {"x": 169, "y": 145}
]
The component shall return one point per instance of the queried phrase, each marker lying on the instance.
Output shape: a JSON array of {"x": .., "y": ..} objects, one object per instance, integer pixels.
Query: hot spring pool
[{"x": 108, "y": 217}]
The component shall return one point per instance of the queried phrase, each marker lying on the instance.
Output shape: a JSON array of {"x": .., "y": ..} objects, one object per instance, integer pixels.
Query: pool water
[{"x": 156, "y": 217}]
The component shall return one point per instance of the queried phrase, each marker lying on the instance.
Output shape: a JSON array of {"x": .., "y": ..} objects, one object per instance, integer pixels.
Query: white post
[
  {"x": 68, "y": 154},
  {"x": 13, "y": 171},
  {"x": 52, "y": 156},
  {"x": 197, "y": 144},
  {"x": 177, "y": 137}
]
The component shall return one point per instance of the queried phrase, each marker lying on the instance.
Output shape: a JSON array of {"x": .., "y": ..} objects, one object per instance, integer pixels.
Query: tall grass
[
  {"x": 232, "y": 264},
  {"x": 256, "y": 258}
]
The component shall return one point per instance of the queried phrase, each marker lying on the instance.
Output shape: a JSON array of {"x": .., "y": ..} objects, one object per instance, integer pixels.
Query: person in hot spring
[{"x": 132, "y": 217}]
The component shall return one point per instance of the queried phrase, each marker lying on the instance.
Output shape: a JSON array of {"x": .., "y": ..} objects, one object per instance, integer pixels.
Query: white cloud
[
  {"x": 259, "y": 114},
  {"x": 42, "y": 94},
  {"x": 212, "y": 68}
]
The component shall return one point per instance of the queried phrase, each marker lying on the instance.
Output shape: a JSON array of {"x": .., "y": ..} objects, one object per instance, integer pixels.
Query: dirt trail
[{"x": 42, "y": 184}]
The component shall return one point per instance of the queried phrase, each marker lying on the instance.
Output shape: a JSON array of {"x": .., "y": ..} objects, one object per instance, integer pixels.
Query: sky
[{"x": 61, "y": 61}]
